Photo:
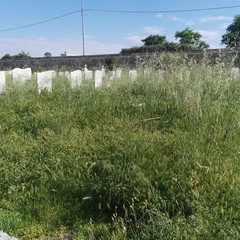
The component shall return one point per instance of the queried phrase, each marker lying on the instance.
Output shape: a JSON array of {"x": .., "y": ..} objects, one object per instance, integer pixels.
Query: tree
[
  {"x": 188, "y": 36},
  {"x": 154, "y": 40},
  {"x": 232, "y": 36},
  {"x": 21, "y": 55},
  {"x": 47, "y": 55},
  {"x": 6, "y": 57}
]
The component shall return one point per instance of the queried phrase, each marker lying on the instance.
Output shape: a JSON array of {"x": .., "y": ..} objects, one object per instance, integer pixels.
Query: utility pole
[{"x": 83, "y": 37}]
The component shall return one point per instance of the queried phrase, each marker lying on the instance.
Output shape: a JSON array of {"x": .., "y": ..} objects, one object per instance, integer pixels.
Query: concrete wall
[{"x": 96, "y": 61}]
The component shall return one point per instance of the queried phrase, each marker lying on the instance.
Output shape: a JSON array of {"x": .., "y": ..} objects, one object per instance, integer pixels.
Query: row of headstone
[{"x": 44, "y": 79}]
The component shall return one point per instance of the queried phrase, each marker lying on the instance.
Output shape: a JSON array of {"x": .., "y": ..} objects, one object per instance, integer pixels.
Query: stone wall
[
  {"x": 96, "y": 61},
  {"x": 68, "y": 63}
]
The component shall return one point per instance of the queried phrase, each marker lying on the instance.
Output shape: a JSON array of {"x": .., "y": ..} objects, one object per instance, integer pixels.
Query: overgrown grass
[{"x": 154, "y": 158}]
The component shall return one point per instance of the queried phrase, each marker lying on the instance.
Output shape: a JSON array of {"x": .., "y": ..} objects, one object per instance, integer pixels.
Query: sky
[{"x": 105, "y": 32}]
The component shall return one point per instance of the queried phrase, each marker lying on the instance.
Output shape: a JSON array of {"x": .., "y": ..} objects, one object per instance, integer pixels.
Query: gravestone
[
  {"x": 2, "y": 81},
  {"x": 98, "y": 79},
  {"x": 146, "y": 72},
  {"x": 21, "y": 75},
  {"x": 75, "y": 78},
  {"x": 118, "y": 73},
  {"x": 44, "y": 81},
  {"x": 235, "y": 73},
  {"x": 88, "y": 75},
  {"x": 103, "y": 71},
  {"x": 133, "y": 74},
  {"x": 53, "y": 72},
  {"x": 112, "y": 76}
]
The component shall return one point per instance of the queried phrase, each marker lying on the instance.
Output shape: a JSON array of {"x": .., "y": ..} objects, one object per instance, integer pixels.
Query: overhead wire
[{"x": 119, "y": 11}]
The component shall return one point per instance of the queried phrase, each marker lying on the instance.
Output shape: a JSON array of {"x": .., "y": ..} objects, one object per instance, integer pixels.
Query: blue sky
[{"x": 105, "y": 32}]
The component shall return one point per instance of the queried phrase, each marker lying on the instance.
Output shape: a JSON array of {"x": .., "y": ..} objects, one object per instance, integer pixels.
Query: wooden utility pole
[{"x": 83, "y": 37}]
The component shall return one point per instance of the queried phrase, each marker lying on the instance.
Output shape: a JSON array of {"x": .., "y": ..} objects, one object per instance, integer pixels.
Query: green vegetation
[
  {"x": 232, "y": 36},
  {"x": 188, "y": 40},
  {"x": 154, "y": 158},
  {"x": 154, "y": 40},
  {"x": 188, "y": 36},
  {"x": 21, "y": 55}
]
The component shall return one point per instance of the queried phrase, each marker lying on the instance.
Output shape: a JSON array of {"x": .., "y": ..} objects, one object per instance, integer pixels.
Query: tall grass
[{"x": 154, "y": 158}]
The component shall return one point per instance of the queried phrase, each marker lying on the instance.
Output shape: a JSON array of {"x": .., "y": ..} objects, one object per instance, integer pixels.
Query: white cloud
[
  {"x": 214, "y": 18},
  {"x": 213, "y": 38},
  {"x": 159, "y": 15},
  {"x": 177, "y": 19},
  {"x": 135, "y": 39},
  {"x": 153, "y": 30},
  {"x": 209, "y": 34},
  {"x": 182, "y": 20}
]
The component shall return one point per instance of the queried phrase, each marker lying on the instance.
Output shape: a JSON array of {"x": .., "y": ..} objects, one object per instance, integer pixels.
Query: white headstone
[
  {"x": 133, "y": 74},
  {"x": 235, "y": 73},
  {"x": 98, "y": 79},
  {"x": 44, "y": 81},
  {"x": 103, "y": 71},
  {"x": 118, "y": 73},
  {"x": 146, "y": 72},
  {"x": 113, "y": 75},
  {"x": 75, "y": 78},
  {"x": 53, "y": 72},
  {"x": 88, "y": 75},
  {"x": 2, "y": 81},
  {"x": 21, "y": 75}
]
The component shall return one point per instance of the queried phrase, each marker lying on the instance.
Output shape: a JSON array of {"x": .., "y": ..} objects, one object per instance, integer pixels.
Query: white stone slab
[
  {"x": 98, "y": 79},
  {"x": 235, "y": 73},
  {"x": 133, "y": 74},
  {"x": 88, "y": 75},
  {"x": 21, "y": 75},
  {"x": 75, "y": 78},
  {"x": 118, "y": 73},
  {"x": 53, "y": 72},
  {"x": 112, "y": 75},
  {"x": 44, "y": 81},
  {"x": 103, "y": 72},
  {"x": 2, "y": 81}
]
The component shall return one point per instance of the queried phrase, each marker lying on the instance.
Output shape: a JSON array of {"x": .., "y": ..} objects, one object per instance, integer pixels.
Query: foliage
[
  {"x": 154, "y": 40},
  {"x": 21, "y": 55},
  {"x": 188, "y": 36},
  {"x": 232, "y": 36},
  {"x": 154, "y": 158},
  {"x": 110, "y": 63},
  {"x": 47, "y": 54},
  {"x": 168, "y": 47}
]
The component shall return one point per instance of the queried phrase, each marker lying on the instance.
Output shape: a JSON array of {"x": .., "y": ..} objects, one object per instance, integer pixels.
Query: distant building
[{"x": 63, "y": 54}]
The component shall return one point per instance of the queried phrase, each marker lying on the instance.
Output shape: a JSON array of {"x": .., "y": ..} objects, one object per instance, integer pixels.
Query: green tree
[
  {"x": 188, "y": 36},
  {"x": 22, "y": 55},
  {"x": 232, "y": 36},
  {"x": 6, "y": 57},
  {"x": 154, "y": 40}
]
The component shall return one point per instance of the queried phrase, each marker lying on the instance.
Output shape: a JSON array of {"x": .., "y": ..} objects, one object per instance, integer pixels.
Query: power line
[
  {"x": 38, "y": 23},
  {"x": 118, "y": 11},
  {"x": 163, "y": 11}
]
